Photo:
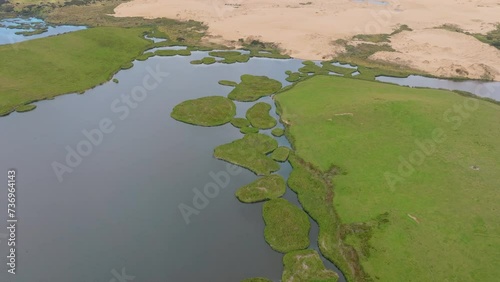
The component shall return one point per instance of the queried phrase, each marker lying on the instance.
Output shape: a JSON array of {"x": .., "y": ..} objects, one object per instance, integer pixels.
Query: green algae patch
[
  {"x": 240, "y": 122},
  {"x": 115, "y": 80},
  {"x": 250, "y": 152},
  {"x": 230, "y": 57},
  {"x": 206, "y": 111},
  {"x": 306, "y": 265},
  {"x": 249, "y": 129},
  {"x": 259, "y": 117},
  {"x": 280, "y": 154},
  {"x": 25, "y": 108},
  {"x": 278, "y": 132},
  {"x": 257, "y": 279},
  {"x": 266, "y": 188},
  {"x": 254, "y": 87},
  {"x": 287, "y": 226},
  {"x": 168, "y": 53},
  {"x": 228, "y": 83}
]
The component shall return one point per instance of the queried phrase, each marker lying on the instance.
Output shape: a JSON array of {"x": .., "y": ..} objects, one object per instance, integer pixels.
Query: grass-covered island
[
  {"x": 250, "y": 152},
  {"x": 206, "y": 111},
  {"x": 259, "y": 117},
  {"x": 265, "y": 188},
  {"x": 287, "y": 226},
  {"x": 278, "y": 132},
  {"x": 254, "y": 87},
  {"x": 402, "y": 181},
  {"x": 240, "y": 122},
  {"x": 280, "y": 154}
]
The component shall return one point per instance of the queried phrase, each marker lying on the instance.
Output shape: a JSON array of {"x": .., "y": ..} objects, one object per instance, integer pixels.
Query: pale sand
[{"x": 307, "y": 31}]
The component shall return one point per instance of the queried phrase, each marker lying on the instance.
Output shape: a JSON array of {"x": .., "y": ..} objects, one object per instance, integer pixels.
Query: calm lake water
[
  {"x": 9, "y": 27},
  {"x": 118, "y": 209}
]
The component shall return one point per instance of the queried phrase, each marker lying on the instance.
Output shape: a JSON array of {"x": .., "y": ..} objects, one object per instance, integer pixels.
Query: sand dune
[{"x": 306, "y": 29}]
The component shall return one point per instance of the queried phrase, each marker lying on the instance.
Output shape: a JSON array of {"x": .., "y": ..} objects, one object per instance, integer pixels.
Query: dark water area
[
  {"x": 119, "y": 208},
  {"x": 9, "y": 28}
]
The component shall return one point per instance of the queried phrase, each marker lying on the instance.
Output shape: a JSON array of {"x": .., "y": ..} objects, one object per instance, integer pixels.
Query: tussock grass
[
  {"x": 250, "y": 152},
  {"x": 25, "y": 108},
  {"x": 206, "y": 111},
  {"x": 228, "y": 83},
  {"x": 249, "y": 129},
  {"x": 280, "y": 154},
  {"x": 306, "y": 265},
  {"x": 240, "y": 122},
  {"x": 259, "y": 117},
  {"x": 265, "y": 188},
  {"x": 253, "y": 87},
  {"x": 287, "y": 226},
  {"x": 278, "y": 132}
]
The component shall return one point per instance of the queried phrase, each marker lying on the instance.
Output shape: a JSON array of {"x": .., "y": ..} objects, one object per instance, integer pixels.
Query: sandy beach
[{"x": 306, "y": 30}]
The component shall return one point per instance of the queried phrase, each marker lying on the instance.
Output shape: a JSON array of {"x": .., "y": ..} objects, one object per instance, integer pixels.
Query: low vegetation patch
[
  {"x": 259, "y": 117},
  {"x": 249, "y": 129},
  {"x": 293, "y": 77},
  {"x": 278, "y": 132},
  {"x": 253, "y": 87},
  {"x": 228, "y": 83},
  {"x": 168, "y": 53},
  {"x": 230, "y": 57},
  {"x": 25, "y": 108},
  {"x": 306, "y": 265},
  {"x": 206, "y": 111},
  {"x": 280, "y": 154},
  {"x": 265, "y": 188},
  {"x": 287, "y": 226},
  {"x": 240, "y": 122},
  {"x": 204, "y": 61},
  {"x": 250, "y": 152},
  {"x": 257, "y": 279}
]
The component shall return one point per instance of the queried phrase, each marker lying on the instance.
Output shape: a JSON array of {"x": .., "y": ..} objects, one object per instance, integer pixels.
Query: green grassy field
[
  {"x": 43, "y": 68},
  {"x": 416, "y": 185},
  {"x": 205, "y": 111}
]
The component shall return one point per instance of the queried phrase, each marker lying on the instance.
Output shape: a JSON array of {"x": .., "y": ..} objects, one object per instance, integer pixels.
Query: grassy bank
[
  {"x": 73, "y": 62},
  {"x": 206, "y": 111},
  {"x": 287, "y": 226},
  {"x": 415, "y": 180}
]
